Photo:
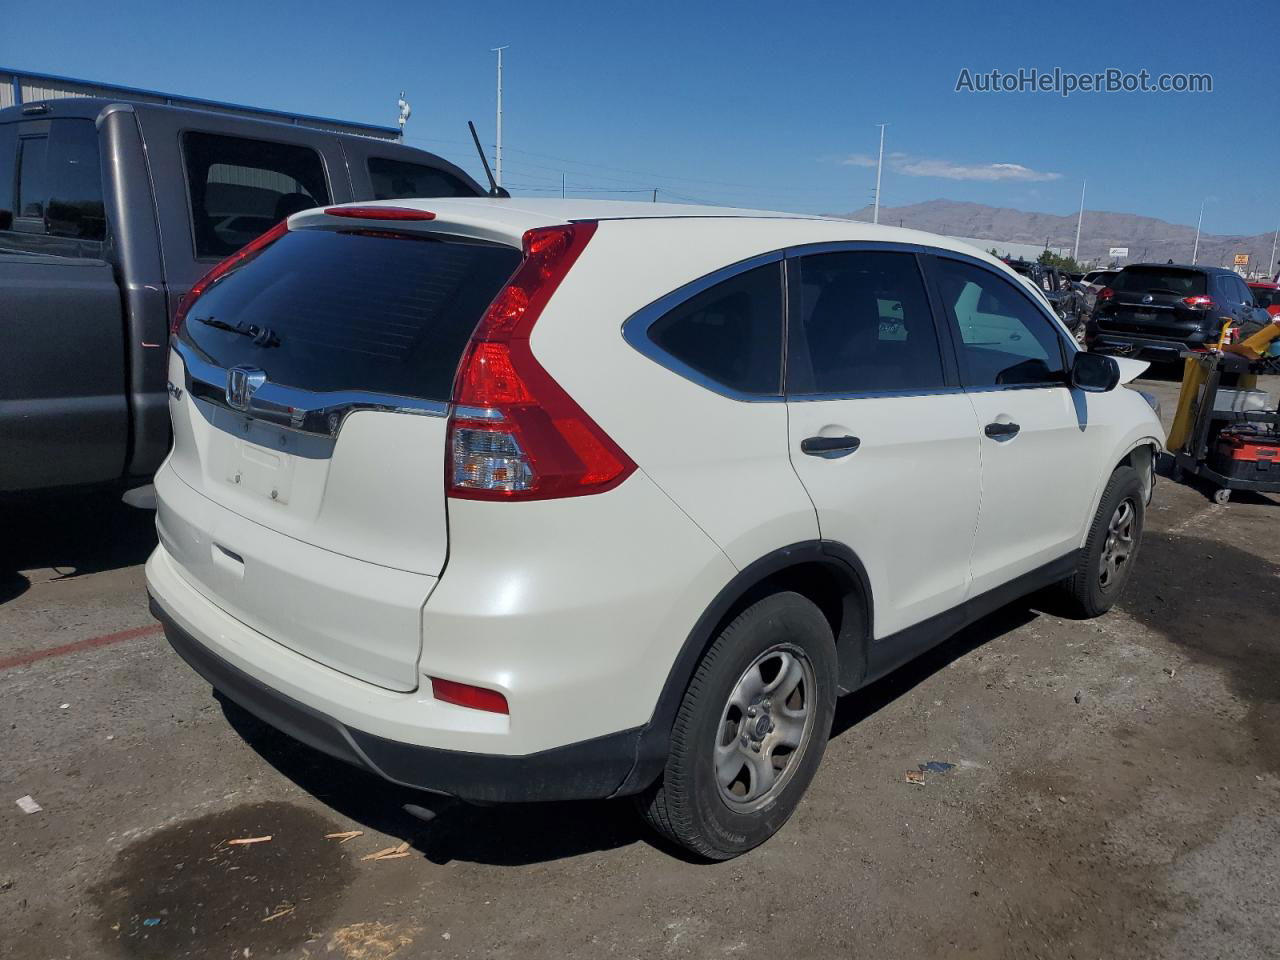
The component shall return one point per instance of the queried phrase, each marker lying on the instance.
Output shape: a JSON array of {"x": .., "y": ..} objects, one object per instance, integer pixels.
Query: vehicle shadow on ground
[
  {"x": 856, "y": 707},
  {"x": 519, "y": 834},
  {"x": 502, "y": 835},
  {"x": 72, "y": 535}
]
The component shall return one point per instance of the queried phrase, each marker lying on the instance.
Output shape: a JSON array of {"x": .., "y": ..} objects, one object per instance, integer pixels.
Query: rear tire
[
  {"x": 1111, "y": 548},
  {"x": 757, "y": 714}
]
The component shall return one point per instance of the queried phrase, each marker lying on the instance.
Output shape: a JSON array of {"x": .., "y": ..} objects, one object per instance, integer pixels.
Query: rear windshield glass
[
  {"x": 1185, "y": 283},
  {"x": 352, "y": 310}
]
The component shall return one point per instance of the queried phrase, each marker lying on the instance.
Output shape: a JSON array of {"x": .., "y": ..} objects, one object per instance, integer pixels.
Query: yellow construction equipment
[
  {"x": 1207, "y": 428},
  {"x": 1194, "y": 372}
]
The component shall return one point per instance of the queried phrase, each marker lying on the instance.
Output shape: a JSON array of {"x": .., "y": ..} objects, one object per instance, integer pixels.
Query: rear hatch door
[
  {"x": 1152, "y": 301},
  {"x": 313, "y": 386}
]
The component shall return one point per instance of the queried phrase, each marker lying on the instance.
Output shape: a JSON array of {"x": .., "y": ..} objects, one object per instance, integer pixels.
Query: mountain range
[{"x": 1146, "y": 237}]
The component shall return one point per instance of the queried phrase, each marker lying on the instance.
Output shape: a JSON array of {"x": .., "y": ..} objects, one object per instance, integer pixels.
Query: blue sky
[{"x": 754, "y": 104}]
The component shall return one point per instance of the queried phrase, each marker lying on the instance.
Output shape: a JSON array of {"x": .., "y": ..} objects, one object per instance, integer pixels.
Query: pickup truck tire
[
  {"x": 757, "y": 714},
  {"x": 1110, "y": 549}
]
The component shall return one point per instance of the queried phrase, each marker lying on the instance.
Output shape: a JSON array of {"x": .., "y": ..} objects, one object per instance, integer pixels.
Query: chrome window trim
[
  {"x": 635, "y": 329},
  {"x": 292, "y": 408},
  {"x": 874, "y": 394}
]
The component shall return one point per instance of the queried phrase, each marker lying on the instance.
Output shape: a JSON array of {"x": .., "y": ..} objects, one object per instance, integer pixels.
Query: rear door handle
[
  {"x": 1001, "y": 431},
  {"x": 829, "y": 448}
]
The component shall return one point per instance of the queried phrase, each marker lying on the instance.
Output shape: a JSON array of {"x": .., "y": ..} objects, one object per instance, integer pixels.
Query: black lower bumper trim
[{"x": 590, "y": 769}]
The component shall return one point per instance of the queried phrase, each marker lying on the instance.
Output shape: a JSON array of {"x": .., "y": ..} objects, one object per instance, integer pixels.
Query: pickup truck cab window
[
  {"x": 52, "y": 188},
  {"x": 1002, "y": 337},
  {"x": 240, "y": 188},
  {"x": 395, "y": 179}
]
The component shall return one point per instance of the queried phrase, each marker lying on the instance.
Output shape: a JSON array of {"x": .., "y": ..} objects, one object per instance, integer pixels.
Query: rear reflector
[
  {"x": 380, "y": 213},
  {"x": 220, "y": 270},
  {"x": 465, "y": 695}
]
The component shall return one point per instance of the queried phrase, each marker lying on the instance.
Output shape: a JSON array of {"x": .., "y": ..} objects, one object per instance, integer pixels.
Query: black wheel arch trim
[{"x": 851, "y": 645}]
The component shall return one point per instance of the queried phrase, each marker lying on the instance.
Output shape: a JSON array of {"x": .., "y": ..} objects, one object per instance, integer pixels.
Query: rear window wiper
[{"x": 261, "y": 336}]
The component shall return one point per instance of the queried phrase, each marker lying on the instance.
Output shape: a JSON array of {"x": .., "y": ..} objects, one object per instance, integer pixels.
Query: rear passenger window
[
  {"x": 51, "y": 188},
  {"x": 730, "y": 333},
  {"x": 240, "y": 188},
  {"x": 395, "y": 179},
  {"x": 863, "y": 326},
  {"x": 1004, "y": 339}
]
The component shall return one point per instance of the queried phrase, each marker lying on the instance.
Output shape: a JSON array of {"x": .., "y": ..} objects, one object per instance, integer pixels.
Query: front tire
[
  {"x": 1111, "y": 548},
  {"x": 750, "y": 731}
]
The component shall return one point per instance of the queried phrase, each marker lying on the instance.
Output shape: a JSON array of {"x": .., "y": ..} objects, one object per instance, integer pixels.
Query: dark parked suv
[{"x": 1155, "y": 310}]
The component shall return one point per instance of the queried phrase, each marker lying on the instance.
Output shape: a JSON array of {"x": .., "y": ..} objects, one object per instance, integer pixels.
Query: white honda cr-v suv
[{"x": 518, "y": 500}]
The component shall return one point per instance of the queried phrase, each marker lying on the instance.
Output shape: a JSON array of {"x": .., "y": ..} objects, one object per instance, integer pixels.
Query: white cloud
[{"x": 910, "y": 166}]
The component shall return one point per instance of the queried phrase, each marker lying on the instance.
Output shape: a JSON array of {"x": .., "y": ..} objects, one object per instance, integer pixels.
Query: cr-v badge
[{"x": 242, "y": 382}]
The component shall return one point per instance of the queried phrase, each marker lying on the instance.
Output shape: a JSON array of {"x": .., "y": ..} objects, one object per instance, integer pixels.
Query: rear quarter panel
[{"x": 724, "y": 462}]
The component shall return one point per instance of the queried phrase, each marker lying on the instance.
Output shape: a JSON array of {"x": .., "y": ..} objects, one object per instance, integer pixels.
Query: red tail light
[
  {"x": 1201, "y": 302},
  {"x": 465, "y": 695},
  {"x": 220, "y": 270},
  {"x": 380, "y": 213},
  {"x": 1106, "y": 293},
  {"x": 515, "y": 433}
]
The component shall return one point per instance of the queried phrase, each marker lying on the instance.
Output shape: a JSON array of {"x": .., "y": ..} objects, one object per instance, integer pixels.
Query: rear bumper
[
  {"x": 587, "y": 770},
  {"x": 1138, "y": 347}
]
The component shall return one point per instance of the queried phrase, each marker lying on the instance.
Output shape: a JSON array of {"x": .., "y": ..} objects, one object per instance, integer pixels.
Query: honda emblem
[{"x": 242, "y": 383}]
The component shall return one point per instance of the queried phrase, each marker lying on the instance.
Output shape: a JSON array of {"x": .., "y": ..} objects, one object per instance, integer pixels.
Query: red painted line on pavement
[{"x": 31, "y": 656}]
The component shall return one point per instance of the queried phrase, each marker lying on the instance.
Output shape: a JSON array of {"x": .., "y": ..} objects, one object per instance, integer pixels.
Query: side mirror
[{"x": 1094, "y": 372}]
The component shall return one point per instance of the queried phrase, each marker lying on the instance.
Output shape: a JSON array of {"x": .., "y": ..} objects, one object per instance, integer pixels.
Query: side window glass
[
  {"x": 8, "y": 172},
  {"x": 864, "y": 325},
  {"x": 1243, "y": 294},
  {"x": 240, "y": 188},
  {"x": 75, "y": 182},
  {"x": 33, "y": 187},
  {"x": 51, "y": 189},
  {"x": 394, "y": 179},
  {"x": 1004, "y": 339},
  {"x": 730, "y": 333}
]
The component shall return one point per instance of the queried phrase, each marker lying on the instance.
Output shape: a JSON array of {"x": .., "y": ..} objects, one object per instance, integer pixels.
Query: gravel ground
[{"x": 1113, "y": 793}]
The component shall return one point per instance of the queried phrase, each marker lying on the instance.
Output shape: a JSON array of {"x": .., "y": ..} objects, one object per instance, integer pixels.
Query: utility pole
[
  {"x": 562, "y": 185},
  {"x": 1195, "y": 252},
  {"x": 1272, "y": 265},
  {"x": 875, "y": 217},
  {"x": 1075, "y": 251},
  {"x": 497, "y": 157},
  {"x": 655, "y": 194}
]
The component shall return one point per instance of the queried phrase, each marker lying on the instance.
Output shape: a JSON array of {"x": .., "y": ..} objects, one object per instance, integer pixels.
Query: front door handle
[
  {"x": 829, "y": 448},
  {"x": 1001, "y": 431}
]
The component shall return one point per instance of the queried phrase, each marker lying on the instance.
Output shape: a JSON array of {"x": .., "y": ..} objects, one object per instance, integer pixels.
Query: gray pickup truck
[{"x": 109, "y": 212}]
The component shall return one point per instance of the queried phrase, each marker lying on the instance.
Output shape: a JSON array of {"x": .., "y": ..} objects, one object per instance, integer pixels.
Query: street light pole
[
  {"x": 497, "y": 156},
  {"x": 1075, "y": 251},
  {"x": 1272, "y": 265},
  {"x": 1195, "y": 252},
  {"x": 875, "y": 216}
]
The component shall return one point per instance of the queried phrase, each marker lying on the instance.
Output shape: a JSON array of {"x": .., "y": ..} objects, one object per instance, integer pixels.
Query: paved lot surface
[{"x": 1114, "y": 795}]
